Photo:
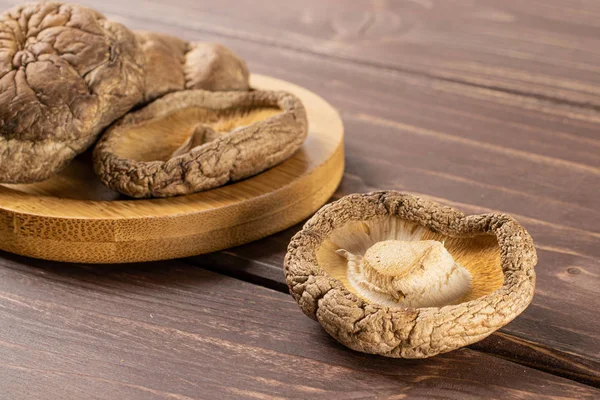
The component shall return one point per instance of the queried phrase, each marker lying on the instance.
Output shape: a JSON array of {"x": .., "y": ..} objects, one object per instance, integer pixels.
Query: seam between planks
[{"x": 551, "y": 359}]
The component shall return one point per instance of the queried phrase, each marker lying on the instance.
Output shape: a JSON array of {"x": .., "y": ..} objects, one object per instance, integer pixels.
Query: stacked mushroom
[{"x": 67, "y": 73}]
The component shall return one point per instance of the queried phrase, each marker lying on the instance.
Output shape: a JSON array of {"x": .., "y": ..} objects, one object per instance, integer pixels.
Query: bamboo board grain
[{"x": 72, "y": 217}]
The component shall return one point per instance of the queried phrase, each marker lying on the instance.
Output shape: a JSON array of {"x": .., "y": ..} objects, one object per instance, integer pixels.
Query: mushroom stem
[
  {"x": 200, "y": 134},
  {"x": 408, "y": 273}
]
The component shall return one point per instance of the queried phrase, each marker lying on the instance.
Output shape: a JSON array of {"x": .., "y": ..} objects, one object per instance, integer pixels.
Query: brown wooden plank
[
  {"x": 169, "y": 330},
  {"x": 540, "y": 357},
  {"x": 464, "y": 145},
  {"x": 546, "y": 316},
  {"x": 556, "y": 201},
  {"x": 467, "y": 145},
  {"x": 542, "y": 48}
]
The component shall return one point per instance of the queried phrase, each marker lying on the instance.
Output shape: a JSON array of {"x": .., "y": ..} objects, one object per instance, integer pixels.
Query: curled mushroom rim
[
  {"x": 238, "y": 154},
  {"x": 408, "y": 332}
]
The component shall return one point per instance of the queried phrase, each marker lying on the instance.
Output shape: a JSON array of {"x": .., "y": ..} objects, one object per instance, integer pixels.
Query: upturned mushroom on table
[{"x": 392, "y": 274}]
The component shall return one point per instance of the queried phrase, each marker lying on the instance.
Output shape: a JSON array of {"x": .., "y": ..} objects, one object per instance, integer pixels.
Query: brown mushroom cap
[
  {"x": 195, "y": 140},
  {"x": 386, "y": 231},
  {"x": 173, "y": 64},
  {"x": 211, "y": 66},
  {"x": 65, "y": 73}
]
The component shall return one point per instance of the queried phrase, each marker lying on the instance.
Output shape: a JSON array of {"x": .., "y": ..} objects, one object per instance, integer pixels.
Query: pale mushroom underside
[
  {"x": 195, "y": 140},
  {"x": 496, "y": 253},
  {"x": 166, "y": 137},
  {"x": 474, "y": 263}
]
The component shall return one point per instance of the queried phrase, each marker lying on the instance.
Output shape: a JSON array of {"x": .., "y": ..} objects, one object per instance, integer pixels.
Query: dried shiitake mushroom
[
  {"x": 195, "y": 140},
  {"x": 173, "y": 64},
  {"x": 392, "y": 274},
  {"x": 65, "y": 73}
]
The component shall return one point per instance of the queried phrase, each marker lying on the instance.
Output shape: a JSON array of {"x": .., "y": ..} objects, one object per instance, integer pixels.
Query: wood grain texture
[
  {"x": 540, "y": 357},
  {"x": 473, "y": 147},
  {"x": 508, "y": 134},
  {"x": 482, "y": 105},
  {"x": 544, "y": 49},
  {"x": 169, "y": 330},
  {"x": 507, "y": 165},
  {"x": 72, "y": 217},
  {"x": 466, "y": 146}
]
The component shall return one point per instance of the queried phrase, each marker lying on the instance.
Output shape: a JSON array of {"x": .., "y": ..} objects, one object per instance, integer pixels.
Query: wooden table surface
[{"x": 483, "y": 105}]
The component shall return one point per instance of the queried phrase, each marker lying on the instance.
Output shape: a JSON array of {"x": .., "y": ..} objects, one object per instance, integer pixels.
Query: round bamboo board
[{"x": 73, "y": 217}]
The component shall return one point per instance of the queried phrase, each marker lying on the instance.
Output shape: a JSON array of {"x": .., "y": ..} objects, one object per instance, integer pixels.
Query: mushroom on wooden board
[
  {"x": 66, "y": 73},
  {"x": 172, "y": 64},
  {"x": 194, "y": 140},
  {"x": 392, "y": 274}
]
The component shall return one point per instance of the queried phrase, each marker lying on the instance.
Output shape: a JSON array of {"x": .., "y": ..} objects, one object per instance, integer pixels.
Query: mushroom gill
[
  {"x": 195, "y": 140},
  {"x": 397, "y": 263},
  {"x": 417, "y": 273},
  {"x": 177, "y": 133}
]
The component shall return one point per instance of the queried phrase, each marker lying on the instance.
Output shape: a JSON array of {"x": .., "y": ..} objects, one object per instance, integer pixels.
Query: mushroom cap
[
  {"x": 164, "y": 57},
  {"x": 150, "y": 152},
  {"x": 214, "y": 67},
  {"x": 173, "y": 64},
  {"x": 497, "y": 252},
  {"x": 65, "y": 73}
]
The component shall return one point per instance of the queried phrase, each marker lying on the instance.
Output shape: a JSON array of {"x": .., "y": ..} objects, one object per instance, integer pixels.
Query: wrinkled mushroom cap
[
  {"x": 172, "y": 64},
  {"x": 195, "y": 140},
  {"x": 214, "y": 67},
  {"x": 392, "y": 274},
  {"x": 65, "y": 73}
]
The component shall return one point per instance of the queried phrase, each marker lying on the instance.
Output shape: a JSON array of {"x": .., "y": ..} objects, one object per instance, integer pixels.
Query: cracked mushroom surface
[
  {"x": 172, "y": 64},
  {"x": 189, "y": 141},
  {"x": 391, "y": 274},
  {"x": 65, "y": 74}
]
